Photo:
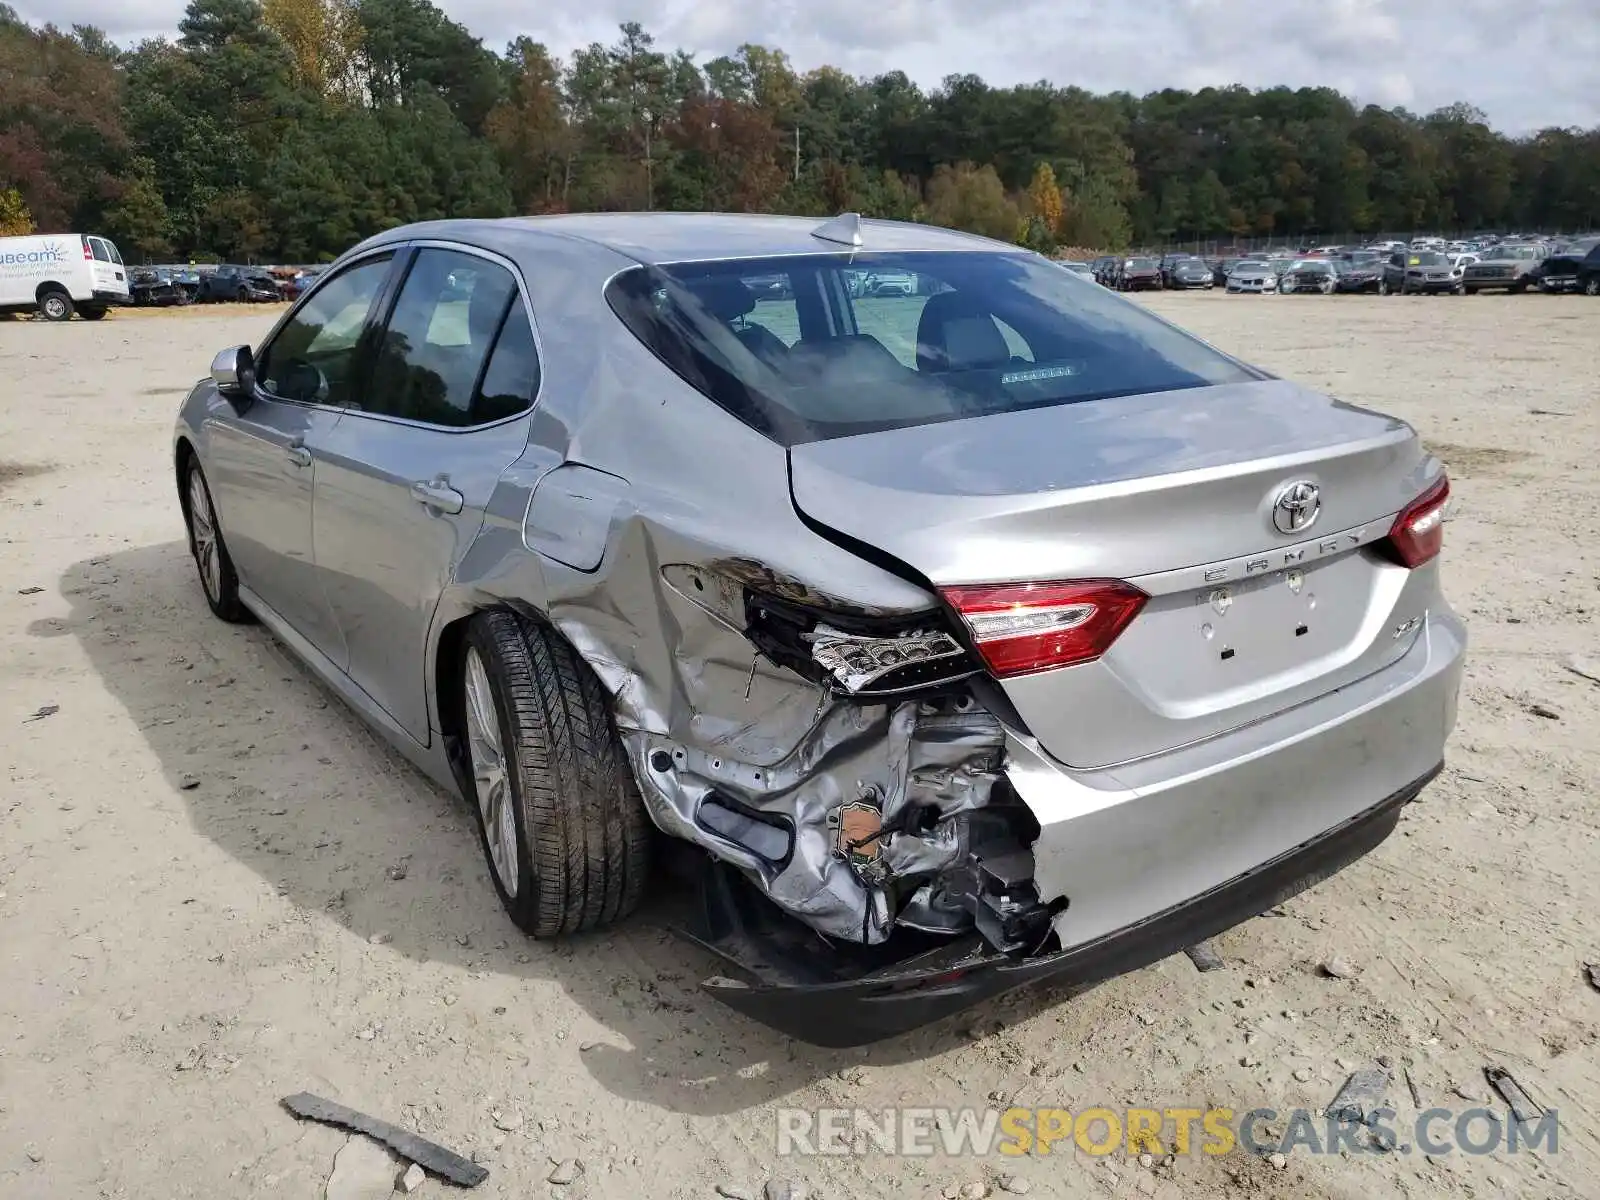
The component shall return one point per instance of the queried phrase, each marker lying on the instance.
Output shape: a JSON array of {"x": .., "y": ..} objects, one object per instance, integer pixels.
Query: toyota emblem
[{"x": 1297, "y": 507}]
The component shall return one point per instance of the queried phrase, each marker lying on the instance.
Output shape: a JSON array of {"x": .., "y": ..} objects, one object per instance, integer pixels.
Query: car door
[
  {"x": 262, "y": 461},
  {"x": 105, "y": 268},
  {"x": 408, "y": 475}
]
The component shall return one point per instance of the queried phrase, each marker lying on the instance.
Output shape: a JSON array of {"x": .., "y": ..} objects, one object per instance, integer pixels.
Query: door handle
[
  {"x": 437, "y": 494},
  {"x": 299, "y": 456}
]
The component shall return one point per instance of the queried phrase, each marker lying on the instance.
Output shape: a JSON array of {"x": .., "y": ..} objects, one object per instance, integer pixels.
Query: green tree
[{"x": 139, "y": 218}]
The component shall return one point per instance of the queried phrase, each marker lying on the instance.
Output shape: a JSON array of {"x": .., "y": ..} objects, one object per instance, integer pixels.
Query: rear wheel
[
  {"x": 1591, "y": 286},
  {"x": 217, "y": 576},
  {"x": 563, "y": 828},
  {"x": 55, "y": 306}
]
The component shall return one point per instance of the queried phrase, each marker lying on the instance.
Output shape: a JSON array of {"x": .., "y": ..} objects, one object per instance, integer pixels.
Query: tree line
[{"x": 286, "y": 130}]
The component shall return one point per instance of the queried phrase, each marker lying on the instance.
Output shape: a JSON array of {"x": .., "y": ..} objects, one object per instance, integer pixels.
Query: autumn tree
[
  {"x": 972, "y": 198},
  {"x": 61, "y": 130},
  {"x": 1046, "y": 208},
  {"x": 530, "y": 130},
  {"x": 325, "y": 38},
  {"x": 15, "y": 219}
]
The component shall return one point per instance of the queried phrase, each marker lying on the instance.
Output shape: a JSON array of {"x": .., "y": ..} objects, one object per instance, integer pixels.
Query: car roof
[{"x": 667, "y": 237}]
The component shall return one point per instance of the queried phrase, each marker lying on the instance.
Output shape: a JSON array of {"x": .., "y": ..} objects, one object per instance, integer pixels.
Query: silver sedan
[{"x": 978, "y": 630}]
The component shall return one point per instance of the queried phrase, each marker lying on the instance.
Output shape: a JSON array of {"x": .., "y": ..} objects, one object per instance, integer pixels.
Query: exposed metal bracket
[{"x": 845, "y": 230}]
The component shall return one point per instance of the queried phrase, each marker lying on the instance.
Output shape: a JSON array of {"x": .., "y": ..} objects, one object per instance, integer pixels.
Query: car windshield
[
  {"x": 1428, "y": 258},
  {"x": 979, "y": 333},
  {"x": 1141, "y": 264}
]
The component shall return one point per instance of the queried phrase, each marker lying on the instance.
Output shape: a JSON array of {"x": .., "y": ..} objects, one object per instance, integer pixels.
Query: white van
[{"x": 56, "y": 274}]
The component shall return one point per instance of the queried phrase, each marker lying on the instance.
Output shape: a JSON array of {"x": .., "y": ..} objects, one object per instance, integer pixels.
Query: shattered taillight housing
[
  {"x": 1418, "y": 532},
  {"x": 1022, "y": 628}
]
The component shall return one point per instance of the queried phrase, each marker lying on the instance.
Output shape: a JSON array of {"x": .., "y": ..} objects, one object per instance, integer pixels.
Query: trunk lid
[{"x": 1174, "y": 492}]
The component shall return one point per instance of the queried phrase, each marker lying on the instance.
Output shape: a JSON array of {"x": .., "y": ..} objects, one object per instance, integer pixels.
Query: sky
[{"x": 1526, "y": 63}]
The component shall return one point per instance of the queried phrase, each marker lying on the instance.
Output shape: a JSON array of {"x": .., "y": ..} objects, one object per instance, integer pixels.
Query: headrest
[
  {"x": 723, "y": 296},
  {"x": 956, "y": 334},
  {"x": 852, "y": 359}
]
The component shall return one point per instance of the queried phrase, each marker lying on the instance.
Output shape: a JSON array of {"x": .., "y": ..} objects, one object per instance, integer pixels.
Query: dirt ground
[{"x": 217, "y": 888}]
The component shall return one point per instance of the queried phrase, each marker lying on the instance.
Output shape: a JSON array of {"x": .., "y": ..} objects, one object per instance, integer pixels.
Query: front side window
[
  {"x": 437, "y": 340},
  {"x": 930, "y": 336},
  {"x": 312, "y": 360}
]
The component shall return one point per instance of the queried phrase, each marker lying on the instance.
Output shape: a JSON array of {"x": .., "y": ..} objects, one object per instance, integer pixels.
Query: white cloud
[{"x": 1526, "y": 64}]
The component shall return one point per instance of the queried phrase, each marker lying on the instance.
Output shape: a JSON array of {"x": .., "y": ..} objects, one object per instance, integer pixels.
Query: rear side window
[
  {"x": 811, "y": 347},
  {"x": 436, "y": 345},
  {"x": 512, "y": 379}
]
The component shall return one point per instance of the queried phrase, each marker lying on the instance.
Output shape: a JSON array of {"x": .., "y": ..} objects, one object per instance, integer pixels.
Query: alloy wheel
[
  {"x": 203, "y": 528},
  {"x": 487, "y": 752},
  {"x": 55, "y": 307}
]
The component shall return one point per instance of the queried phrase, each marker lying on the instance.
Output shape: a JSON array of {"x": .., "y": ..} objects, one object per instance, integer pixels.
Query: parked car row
[
  {"x": 1422, "y": 267},
  {"x": 224, "y": 283}
]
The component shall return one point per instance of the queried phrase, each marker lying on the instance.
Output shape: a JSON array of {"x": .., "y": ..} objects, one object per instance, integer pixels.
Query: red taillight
[
  {"x": 1020, "y": 628},
  {"x": 1418, "y": 533},
  {"x": 88, "y": 254}
]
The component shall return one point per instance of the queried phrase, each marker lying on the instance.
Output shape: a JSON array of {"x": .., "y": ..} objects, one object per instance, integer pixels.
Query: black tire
[
  {"x": 55, "y": 305},
  {"x": 243, "y": 295},
  {"x": 1517, "y": 289},
  {"x": 583, "y": 838},
  {"x": 221, "y": 588},
  {"x": 1591, "y": 286},
  {"x": 92, "y": 314}
]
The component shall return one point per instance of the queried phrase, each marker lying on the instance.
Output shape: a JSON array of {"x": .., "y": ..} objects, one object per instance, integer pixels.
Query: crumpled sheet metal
[
  {"x": 905, "y": 753},
  {"x": 691, "y": 684}
]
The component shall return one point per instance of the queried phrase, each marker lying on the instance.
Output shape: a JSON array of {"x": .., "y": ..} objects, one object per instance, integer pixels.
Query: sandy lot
[{"x": 216, "y": 888}]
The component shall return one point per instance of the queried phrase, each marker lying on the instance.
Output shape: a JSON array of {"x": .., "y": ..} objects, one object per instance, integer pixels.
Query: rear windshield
[{"x": 967, "y": 334}]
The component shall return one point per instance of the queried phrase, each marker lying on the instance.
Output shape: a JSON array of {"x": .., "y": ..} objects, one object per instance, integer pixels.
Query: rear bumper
[
  {"x": 109, "y": 297},
  {"x": 918, "y": 992},
  {"x": 1159, "y": 854},
  {"x": 1127, "y": 841}
]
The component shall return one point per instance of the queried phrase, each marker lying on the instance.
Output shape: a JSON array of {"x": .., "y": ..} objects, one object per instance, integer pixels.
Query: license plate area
[{"x": 1208, "y": 649}]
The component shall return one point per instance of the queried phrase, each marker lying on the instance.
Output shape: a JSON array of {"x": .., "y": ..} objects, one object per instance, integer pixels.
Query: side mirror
[{"x": 234, "y": 372}]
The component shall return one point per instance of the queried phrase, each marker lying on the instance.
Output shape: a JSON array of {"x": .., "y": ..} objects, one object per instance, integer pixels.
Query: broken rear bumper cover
[
  {"x": 906, "y": 997},
  {"x": 1155, "y": 855}
]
